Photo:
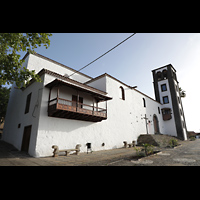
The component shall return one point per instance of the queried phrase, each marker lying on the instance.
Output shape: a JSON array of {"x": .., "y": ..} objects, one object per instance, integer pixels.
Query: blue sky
[{"x": 133, "y": 61}]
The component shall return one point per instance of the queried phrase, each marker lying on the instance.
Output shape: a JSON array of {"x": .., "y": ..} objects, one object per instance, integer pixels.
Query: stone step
[{"x": 155, "y": 140}]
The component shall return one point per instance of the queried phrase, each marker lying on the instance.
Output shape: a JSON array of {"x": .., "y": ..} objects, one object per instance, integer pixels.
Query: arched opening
[
  {"x": 164, "y": 74},
  {"x": 122, "y": 93},
  {"x": 159, "y": 75},
  {"x": 156, "y": 124}
]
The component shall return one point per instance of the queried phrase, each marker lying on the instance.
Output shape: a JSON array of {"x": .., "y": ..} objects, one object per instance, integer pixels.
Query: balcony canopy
[{"x": 98, "y": 94}]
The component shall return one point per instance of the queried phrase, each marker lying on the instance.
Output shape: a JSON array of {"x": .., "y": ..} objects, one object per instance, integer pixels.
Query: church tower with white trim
[{"x": 166, "y": 87}]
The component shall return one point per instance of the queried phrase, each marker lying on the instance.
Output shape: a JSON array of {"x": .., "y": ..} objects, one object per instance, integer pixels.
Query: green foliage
[
  {"x": 139, "y": 152},
  {"x": 148, "y": 149},
  {"x": 173, "y": 143},
  {"x": 182, "y": 92},
  {"x": 192, "y": 138},
  {"x": 4, "y": 97},
  {"x": 10, "y": 63}
]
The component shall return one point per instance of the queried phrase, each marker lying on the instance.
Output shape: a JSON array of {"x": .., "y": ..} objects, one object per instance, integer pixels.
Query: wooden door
[
  {"x": 80, "y": 102},
  {"x": 74, "y": 100},
  {"x": 26, "y": 138},
  {"x": 156, "y": 126}
]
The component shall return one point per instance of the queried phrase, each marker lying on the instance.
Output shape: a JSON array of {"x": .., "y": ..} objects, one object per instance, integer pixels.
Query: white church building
[{"x": 80, "y": 109}]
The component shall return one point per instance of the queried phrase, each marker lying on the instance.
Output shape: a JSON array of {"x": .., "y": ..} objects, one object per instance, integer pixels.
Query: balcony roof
[{"x": 81, "y": 87}]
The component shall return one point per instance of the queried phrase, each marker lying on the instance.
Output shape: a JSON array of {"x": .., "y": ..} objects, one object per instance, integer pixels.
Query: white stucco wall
[
  {"x": 37, "y": 63},
  {"x": 124, "y": 123},
  {"x": 124, "y": 117},
  {"x": 100, "y": 83},
  {"x": 170, "y": 127},
  {"x": 16, "y": 115}
]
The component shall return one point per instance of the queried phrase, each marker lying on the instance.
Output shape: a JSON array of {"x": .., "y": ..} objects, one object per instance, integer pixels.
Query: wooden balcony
[
  {"x": 166, "y": 113},
  {"x": 64, "y": 108},
  {"x": 75, "y": 109}
]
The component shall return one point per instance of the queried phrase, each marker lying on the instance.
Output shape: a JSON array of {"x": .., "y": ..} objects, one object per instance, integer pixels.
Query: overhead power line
[{"x": 102, "y": 55}]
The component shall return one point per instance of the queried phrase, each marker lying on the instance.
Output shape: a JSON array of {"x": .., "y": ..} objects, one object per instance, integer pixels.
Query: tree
[
  {"x": 182, "y": 92},
  {"x": 4, "y": 97},
  {"x": 10, "y": 63}
]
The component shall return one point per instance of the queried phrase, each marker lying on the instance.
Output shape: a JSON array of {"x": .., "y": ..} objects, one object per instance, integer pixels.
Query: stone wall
[{"x": 156, "y": 140}]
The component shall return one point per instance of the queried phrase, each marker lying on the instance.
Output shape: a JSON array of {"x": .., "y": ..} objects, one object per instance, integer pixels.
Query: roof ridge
[
  {"x": 68, "y": 79},
  {"x": 106, "y": 74}
]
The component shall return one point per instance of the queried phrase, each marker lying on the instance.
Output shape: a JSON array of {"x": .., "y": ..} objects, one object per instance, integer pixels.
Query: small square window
[
  {"x": 165, "y": 99},
  {"x": 181, "y": 112},
  {"x": 163, "y": 87},
  {"x": 179, "y": 100}
]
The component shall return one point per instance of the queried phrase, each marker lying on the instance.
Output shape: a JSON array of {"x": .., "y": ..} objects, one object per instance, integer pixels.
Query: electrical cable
[{"x": 102, "y": 55}]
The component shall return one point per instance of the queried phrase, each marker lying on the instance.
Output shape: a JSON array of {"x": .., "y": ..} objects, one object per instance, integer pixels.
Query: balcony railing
[
  {"x": 166, "y": 113},
  {"x": 64, "y": 108}
]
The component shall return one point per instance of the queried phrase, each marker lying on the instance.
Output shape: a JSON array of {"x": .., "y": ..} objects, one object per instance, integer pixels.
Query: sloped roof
[
  {"x": 81, "y": 87},
  {"x": 53, "y": 61},
  {"x": 132, "y": 88}
]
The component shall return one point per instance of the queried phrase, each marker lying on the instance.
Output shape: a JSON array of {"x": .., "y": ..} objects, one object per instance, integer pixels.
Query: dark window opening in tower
[
  {"x": 164, "y": 74},
  {"x": 181, "y": 112},
  {"x": 165, "y": 100},
  {"x": 159, "y": 75},
  {"x": 164, "y": 87}
]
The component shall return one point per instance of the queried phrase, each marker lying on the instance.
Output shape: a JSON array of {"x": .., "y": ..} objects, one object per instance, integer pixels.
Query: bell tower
[{"x": 166, "y": 87}]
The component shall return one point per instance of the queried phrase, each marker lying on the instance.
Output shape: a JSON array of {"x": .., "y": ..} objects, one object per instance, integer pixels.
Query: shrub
[
  {"x": 139, "y": 152},
  {"x": 192, "y": 138},
  {"x": 148, "y": 149},
  {"x": 173, "y": 143}
]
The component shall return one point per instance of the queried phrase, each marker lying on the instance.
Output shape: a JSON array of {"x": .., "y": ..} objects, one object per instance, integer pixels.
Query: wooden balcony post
[
  {"x": 49, "y": 99},
  {"x": 97, "y": 106},
  {"x": 93, "y": 106},
  {"x": 106, "y": 108},
  {"x": 49, "y": 95},
  {"x": 58, "y": 92},
  {"x": 77, "y": 101}
]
